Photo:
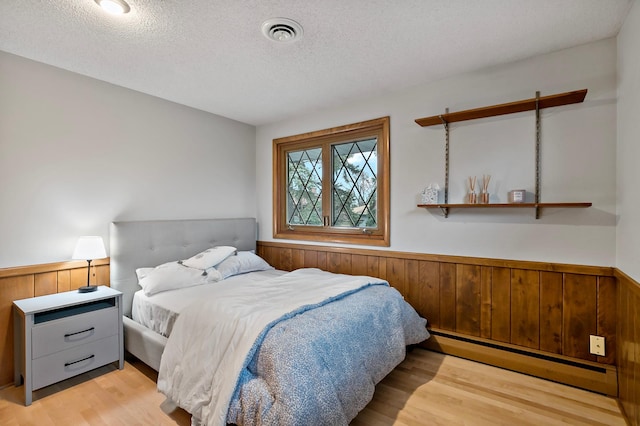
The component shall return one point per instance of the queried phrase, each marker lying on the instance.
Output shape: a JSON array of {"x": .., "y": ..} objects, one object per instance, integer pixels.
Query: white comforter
[{"x": 212, "y": 339}]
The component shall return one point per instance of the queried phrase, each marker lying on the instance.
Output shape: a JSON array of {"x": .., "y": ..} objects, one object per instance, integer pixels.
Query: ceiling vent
[{"x": 282, "y": 30}]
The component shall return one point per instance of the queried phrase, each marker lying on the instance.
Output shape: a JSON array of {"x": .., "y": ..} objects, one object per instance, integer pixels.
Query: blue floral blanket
[{"x": 314, "y": 359}]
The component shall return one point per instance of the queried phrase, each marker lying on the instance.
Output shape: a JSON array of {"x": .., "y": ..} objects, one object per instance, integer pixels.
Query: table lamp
[{"x": 89, "y": 248}]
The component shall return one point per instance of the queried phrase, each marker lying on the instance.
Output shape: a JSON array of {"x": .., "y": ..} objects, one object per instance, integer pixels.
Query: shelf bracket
[
  {"x": 445, "y": 123},
  {"x": 538, "y": 136}
]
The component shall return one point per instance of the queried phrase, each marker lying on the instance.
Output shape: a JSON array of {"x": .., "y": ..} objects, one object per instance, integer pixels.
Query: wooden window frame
[{"x": 379, "y": 128}]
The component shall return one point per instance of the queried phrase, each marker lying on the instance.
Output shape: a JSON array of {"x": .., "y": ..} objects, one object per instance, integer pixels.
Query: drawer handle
[
  {"x": 79, "y": 332},
  {"x": 66, "y": 364}
]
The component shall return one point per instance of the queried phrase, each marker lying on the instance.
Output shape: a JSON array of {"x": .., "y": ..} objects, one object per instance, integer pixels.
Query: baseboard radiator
[{"x": 582, "y": 374}]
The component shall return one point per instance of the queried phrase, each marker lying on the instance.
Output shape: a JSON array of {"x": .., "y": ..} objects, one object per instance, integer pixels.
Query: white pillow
[
  {"x": 141, "y": 273},
  {"x": 173, "y": 275},
  {"x": 210, "y": 257},
  {"x": 243, "y": 262}
]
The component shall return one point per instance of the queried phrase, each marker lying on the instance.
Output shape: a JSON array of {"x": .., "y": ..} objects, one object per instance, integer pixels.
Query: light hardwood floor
[{"x": 428, "y": 388}]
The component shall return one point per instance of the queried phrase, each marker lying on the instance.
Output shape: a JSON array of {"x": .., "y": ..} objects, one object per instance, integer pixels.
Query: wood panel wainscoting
[
  {"x": 37, "y": 280},
  {"x": 480, "y": 309},
  {"x": 530, "y": 317},
  {"x": 628, "y": 330}
]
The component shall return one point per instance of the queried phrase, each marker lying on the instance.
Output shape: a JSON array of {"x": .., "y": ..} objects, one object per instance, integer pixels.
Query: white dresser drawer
[
  {"x": 62, "y": 365},
  {"x": 65, "y": 333}
]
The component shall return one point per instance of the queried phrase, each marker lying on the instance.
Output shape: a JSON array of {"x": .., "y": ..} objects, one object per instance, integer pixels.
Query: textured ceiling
[{"x": 211, "y": 54}]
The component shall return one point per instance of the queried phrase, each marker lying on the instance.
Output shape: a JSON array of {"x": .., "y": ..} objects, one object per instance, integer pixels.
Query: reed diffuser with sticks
[
  {"x": 484, "y": 194},
  {"x": 472, "y": 197}
]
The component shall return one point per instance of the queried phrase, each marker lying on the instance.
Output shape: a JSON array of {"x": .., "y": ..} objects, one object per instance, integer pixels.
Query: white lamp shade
[{"x": 89, "y": 248}]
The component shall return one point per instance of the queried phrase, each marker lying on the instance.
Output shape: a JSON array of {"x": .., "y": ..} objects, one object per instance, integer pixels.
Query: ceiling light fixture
[
  {"x": 282, "y": 30},
  {"x": 116, "y": 7}
]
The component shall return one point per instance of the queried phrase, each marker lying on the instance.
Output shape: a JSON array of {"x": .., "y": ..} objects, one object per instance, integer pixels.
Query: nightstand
[{"x": 61, "y": 335}]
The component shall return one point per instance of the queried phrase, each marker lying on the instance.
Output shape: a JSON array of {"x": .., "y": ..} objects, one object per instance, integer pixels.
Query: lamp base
[{"x": 87, "y": 288}]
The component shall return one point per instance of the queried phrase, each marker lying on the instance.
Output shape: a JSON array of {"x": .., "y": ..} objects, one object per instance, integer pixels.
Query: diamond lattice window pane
[
  {"x": 354, "y": 184},
  {"x": 304, "y": 187}
]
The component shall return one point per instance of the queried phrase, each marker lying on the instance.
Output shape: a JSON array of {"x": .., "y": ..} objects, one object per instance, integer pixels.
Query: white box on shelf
[
  {"x": 430, "y": 194},
  {"x": 517, "y": 196}
]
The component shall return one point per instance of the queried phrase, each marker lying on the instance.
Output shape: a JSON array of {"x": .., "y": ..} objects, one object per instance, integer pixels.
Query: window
[{"x": 333, "y": 185}]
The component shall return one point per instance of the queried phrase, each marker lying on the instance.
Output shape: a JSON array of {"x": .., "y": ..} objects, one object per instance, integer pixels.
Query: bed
[{"x": 252, "y": 348}]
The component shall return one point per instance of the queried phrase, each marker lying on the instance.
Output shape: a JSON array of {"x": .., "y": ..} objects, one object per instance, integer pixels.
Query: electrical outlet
[{"x": 596, "y": 345}]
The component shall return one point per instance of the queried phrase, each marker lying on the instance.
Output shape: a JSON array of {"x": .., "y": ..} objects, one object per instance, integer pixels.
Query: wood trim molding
[
  {"x": 49, "y": 267},
  {"x": 632, "y": 284},
  {"x": 443, "y": 258}
]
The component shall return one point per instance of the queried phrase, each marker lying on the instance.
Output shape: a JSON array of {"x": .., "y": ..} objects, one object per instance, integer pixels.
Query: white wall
[
  {"x": 578, "y": 159},
  {"x": 628, "y": 230},
  {"x": 77, "y": 153}
]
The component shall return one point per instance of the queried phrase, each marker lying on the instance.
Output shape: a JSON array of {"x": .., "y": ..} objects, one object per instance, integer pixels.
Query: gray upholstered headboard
[{"x": 151, "y": 243}]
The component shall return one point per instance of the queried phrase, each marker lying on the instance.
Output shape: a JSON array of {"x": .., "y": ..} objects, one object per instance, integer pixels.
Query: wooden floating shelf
[
  {"x": 537, "y": 206},
  {"x": 559, "y": 99},
  {"x": 504, "y": 205}
]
